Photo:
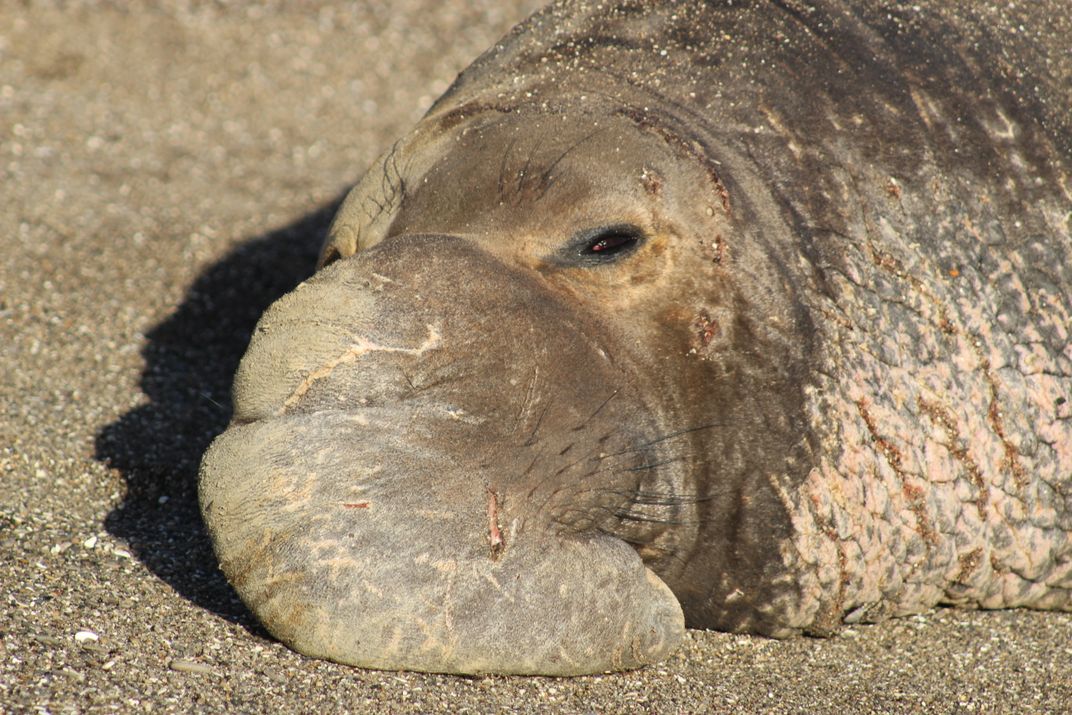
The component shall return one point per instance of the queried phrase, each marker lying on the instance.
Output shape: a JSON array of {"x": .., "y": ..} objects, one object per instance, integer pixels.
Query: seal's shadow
[{"x": 190, "y": 360}]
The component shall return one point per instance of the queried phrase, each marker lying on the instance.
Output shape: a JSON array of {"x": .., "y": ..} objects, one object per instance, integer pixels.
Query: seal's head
[{"x": 472, "y": 441}]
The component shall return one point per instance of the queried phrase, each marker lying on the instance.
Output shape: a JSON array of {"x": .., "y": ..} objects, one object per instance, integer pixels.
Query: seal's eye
[
  {"x": 604, "y": 244},
  {"x": 609, "y": 243}
]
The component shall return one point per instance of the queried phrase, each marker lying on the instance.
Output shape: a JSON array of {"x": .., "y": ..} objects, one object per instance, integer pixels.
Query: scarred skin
[{"x": 749, "y": 316}]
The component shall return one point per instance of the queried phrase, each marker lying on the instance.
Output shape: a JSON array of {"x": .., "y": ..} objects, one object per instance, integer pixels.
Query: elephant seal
[{"x": 740, "y": 315}]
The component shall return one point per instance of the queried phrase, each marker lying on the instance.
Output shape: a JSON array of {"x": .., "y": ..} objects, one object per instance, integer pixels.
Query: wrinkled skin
[{"x": 750, "y": 316}]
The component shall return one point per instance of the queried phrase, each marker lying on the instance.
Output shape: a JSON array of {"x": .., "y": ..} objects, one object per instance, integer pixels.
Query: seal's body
[{"x": 751, "y": 316}]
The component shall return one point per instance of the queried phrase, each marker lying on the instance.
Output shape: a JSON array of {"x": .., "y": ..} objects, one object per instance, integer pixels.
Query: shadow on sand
[{"x": 190, "y": 359}]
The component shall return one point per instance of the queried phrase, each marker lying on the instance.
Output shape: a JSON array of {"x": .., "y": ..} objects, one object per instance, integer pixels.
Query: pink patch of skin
[{"x": 946, "y": 442}]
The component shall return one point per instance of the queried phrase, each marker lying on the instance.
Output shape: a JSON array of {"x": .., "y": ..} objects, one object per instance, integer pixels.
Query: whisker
[
  {"x": 502, "y": 166},
  {"x": 207, "y": 396},
  {"x": 562, "y": 470},
  {"x": 657, "y": 499},
  {"x": 523, "y": 173},
  {"x": 545, "y": 179},
  {"x": 666, "y": 438},
  {"x": 629, "y": 516},
  {"x": 598, "y": 410}
]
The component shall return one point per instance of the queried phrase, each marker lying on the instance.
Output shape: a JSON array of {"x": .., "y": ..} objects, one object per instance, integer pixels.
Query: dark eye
[
  {"x": 610, "y": 243},
  {"x": 605, "y": 244}
]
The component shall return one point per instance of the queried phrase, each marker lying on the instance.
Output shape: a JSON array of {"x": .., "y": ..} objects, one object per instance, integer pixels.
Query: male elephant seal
[{"x": 738, "y": 315}]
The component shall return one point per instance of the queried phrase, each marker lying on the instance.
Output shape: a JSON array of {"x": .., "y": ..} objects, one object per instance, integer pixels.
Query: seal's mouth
[
  {"x": 387, "y": 559},
  {"x": 399, "y": 490}
]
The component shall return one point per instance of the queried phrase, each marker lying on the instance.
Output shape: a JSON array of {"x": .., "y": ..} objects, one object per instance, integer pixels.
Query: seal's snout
[
  {"x": 363, "y": 555},
  {"x": 373, "y": 501}
]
